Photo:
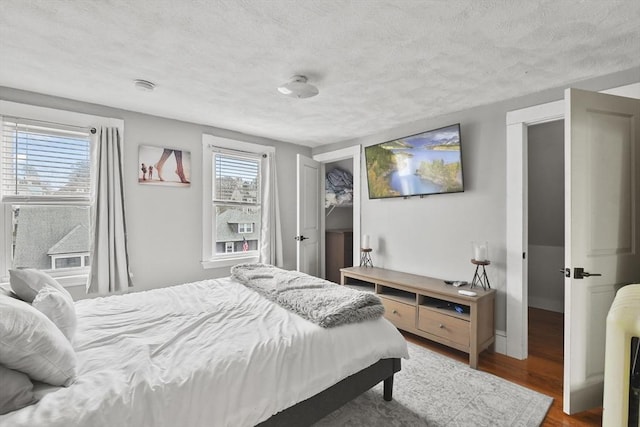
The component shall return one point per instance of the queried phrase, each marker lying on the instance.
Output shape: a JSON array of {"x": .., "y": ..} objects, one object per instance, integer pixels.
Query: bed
[{"x": 210, "y": 353}]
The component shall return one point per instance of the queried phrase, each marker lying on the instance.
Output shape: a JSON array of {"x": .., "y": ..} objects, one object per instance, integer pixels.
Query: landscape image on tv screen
[{"x": 426, "y": 163}]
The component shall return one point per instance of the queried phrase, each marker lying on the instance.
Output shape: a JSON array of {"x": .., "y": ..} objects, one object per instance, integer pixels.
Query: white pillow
[
  {"x": 31, "y": 343},
  {"x": 58, "y": 308},
  {"x": 26, "y": 283},
  {"x": 16, "y": 391}
]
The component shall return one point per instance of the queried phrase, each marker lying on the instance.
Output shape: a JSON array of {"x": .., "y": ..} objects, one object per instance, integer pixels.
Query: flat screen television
[{"x": 417, "y": 165}]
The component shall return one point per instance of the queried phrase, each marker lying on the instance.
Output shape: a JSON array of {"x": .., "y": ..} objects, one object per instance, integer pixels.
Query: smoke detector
[{"x": 298, "y": 88}]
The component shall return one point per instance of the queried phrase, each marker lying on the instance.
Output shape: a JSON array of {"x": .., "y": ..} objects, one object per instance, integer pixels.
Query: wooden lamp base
[{"x": 480, "y": 278}]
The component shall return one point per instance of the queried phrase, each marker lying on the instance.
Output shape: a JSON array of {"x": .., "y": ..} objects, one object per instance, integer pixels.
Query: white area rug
[{"x": 434, "y": 390}]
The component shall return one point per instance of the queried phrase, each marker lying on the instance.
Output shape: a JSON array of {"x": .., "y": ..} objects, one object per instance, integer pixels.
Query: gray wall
[
  {"x": 546, "y": 184},
  {"x": 165, "y": 223},
  {"x": 545, "y": 190},
  {"x": 432, "y": 236}
]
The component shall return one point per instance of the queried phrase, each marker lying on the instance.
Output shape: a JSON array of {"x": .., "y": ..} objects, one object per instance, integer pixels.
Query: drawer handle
[
  {"x": 395, "y": 312},
  {"x": 441, "y": 326}
]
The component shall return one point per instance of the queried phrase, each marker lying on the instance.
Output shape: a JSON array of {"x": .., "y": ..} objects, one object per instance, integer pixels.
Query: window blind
[
  {"x": 44, "y": 162},
  {"x": 236, "y": 178}
]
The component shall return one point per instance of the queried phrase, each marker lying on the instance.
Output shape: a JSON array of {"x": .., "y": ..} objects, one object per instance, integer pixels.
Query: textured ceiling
[{"x": 378, "y": 63}]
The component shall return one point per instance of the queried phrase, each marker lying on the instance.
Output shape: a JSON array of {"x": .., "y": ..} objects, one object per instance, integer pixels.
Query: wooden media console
[{"x": 430, "y": 308}]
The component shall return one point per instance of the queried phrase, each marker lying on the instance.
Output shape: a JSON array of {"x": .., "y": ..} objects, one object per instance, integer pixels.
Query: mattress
[{"x": 208, "y": 353}]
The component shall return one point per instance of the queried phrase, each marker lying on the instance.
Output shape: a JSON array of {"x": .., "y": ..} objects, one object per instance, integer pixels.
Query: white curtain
[
  {"x": 109, "y": 258},
  {"x": 271, "y": 237}
]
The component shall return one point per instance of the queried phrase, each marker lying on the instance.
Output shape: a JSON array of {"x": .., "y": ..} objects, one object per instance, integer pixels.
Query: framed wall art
[{"x": 164, "y": 166}]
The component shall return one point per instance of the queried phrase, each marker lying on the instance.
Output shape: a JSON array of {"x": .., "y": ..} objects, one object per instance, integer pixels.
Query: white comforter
[{"x": 210, "y": 353}]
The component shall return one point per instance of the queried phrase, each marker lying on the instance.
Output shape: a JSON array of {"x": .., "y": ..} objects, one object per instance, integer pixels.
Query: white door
[
  {"x": 602, "y": 230},
  {"x": 308, "y": 216}
]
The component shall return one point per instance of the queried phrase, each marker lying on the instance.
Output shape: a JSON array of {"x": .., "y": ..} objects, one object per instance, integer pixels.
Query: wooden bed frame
[{"x": 316, "y": 407}]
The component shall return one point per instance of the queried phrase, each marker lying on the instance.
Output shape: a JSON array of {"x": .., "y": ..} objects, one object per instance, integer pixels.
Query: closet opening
[{"x": 338, "y": 203}]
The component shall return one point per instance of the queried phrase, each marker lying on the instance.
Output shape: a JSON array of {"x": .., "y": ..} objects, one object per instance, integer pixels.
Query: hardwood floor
[{"x": 542, "y": 371}]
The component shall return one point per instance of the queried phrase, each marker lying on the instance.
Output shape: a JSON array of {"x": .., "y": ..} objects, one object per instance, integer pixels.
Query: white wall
[
  {"x": 164, "y": 224},
  {"x": 432, "y": 236}
]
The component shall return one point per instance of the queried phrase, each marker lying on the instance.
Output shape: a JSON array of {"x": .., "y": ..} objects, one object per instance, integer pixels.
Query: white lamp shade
[{"x": 480, "y": 251}]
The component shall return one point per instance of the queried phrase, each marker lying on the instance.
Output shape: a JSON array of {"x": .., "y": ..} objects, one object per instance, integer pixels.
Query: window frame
[
  {"x": 210, "y": 144},
  {"x": 68, "y": 277}
]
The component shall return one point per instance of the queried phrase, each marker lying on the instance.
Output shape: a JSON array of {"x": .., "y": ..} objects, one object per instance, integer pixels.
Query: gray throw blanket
[{"x": 317, "y": 300}]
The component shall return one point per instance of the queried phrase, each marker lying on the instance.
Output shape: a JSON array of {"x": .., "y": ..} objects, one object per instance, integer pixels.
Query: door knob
[
  {"x": 566, "y": 272},
  {"x": 586, "y": 274},
  {"x": 579, "y": 273},
  {"x": 301, "y": 238}
]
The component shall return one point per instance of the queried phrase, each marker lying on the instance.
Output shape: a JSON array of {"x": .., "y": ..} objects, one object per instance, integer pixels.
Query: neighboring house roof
[
  {"x": 41, "y": 228},
  {"x": 227, "y": 228},
  {"x": 76, "y": 241}
]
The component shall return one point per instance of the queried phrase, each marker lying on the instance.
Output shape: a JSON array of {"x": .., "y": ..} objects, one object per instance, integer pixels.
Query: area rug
[{"x": 436, "y": 391}]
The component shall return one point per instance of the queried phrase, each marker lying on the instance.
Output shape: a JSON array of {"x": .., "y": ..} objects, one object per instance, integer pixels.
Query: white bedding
[{"x": 210, "y": 353}]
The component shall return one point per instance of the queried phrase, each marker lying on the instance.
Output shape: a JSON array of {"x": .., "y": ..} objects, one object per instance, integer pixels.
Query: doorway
[
  {"x": 338, "y": 211},
  {"x": 545, "y": 200},
  {"x": 341, "y": 216},
  {"x": 516, "y": 343},
  {"x": 545, "y": 245}
]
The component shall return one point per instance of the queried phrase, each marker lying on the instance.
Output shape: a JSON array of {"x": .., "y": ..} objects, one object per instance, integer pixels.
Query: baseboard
[{"x": 501, "y": 342}]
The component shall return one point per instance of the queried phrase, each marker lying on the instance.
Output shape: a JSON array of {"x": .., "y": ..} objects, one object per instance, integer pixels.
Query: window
[
  {"x": 245, "y": 228},
  {"x": 45, "y": 190},
  {"x": 232, "y": 206},
  {"x": 67, "y": 262},
  {"x": 235, "y": 200},
  {"x": 49, "y": 237},
  {"x": 44, "y": 161}
]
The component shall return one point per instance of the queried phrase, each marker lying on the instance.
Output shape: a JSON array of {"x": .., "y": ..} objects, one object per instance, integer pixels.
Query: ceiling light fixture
[
  {"x": 144, "y": 85},
  {"x": 298, "y": 88}
]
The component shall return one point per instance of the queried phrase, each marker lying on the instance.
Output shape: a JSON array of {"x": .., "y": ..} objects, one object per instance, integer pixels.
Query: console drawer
[
  {"x": 444, "y": 326},
  {"x": 403, "y": 316}
]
